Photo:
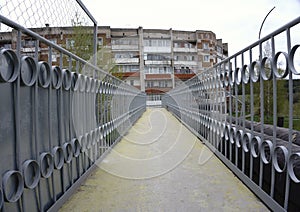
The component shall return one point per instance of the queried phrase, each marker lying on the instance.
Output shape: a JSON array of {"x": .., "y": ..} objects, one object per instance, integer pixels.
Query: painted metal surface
[{"x": 55, "y": 122}]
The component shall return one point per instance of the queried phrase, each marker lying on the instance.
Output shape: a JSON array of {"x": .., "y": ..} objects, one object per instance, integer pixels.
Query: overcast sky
[{"x": 237, "y": 22}]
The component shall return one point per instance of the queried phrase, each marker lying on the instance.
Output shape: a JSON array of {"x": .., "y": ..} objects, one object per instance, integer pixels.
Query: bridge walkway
[{"x": 159, "y": 165}]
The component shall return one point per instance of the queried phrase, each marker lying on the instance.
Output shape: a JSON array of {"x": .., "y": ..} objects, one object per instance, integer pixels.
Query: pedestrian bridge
[{"x": 73, "y": 137}]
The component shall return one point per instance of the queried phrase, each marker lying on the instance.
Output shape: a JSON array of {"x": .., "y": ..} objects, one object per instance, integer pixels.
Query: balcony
[
  {"x": 123, "y": 75},
  {"x": 185, "y": 50},
  {"x": 157, "y": 49},
  {"x": 157, "y": 76},
  {"x": 157, "y": 90},
  {"x": 127, "y": 60},
  {"x": 185, "y": 63},
  {"x": 183, "y": 76},
  {"x": 158, "y": 62},
  {"x": 125, "y": 47}
]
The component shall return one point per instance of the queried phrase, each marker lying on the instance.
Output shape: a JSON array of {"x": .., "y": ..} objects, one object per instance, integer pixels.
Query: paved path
[{"x": 161, "y": 166}]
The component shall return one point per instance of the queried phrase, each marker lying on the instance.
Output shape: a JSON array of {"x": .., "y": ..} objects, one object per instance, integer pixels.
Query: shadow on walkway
[{"x": 155, "y": 167}]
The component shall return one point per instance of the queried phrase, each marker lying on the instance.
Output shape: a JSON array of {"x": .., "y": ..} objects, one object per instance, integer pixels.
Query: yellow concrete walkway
[{"x": 161, "y": 166}]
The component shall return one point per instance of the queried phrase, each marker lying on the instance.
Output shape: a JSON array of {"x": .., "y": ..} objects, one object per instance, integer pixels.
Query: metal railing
[
  {"x": 245, "y": 109},
  {"x": 56, "y": 122}
]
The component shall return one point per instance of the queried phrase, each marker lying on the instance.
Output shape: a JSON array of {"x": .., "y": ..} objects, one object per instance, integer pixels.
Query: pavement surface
[{"x": 159, "y": 165}]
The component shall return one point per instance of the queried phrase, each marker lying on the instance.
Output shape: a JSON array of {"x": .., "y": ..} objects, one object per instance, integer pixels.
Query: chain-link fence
[
  {"x": 65, "y": 23},
  {"x": 39, "y": 13}
]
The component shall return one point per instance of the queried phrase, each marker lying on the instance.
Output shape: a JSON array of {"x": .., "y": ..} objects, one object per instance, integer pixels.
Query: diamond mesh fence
[{"x": 39, "y": 13}]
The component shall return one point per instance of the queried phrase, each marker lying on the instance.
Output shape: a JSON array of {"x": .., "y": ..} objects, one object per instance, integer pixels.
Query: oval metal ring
[
  {"x": 265, "y": 146},
  {"x": 97, "y": 88},
  {"x": 239, "y": 138},
  {"x": 219, "y": 128},
  {"x": 291, "y": 165},
  {"x": 28, "y": 71},
  {"x": 109, "y": 88},
  {"x": 58, "y": 157},
  {"x": 255, "y": 75},
  {"x": 110, "y": 124},
  {"x": 231, "y": 77},
  {"x": 213, "y": 125},
  {"x": 246, "y": 141},
  {"x": 68, "y": 152},
  {"x": 82, "y": 141},
  {"x": 10, "y": 68},
  {"x": 222, "y": 129},
  {"x": 13, "y": 185},
  {"x": 75, "y": 81},
  {"x": 232, "y": 135},
  {"x": 291, "y": 59},
  {"x": 238, "y": 76},
  {"x": 106, "y": 129},
  {"x": 1, "y": 198},
  {"x": 245, "y": 74},
  {"x": 226, "y": 79},
  {"x": 31, "y": 173},
  {"x": 88, "y": 140},
  {"x": 94, "y": 136},
  {"x": 56, "y": 77},
  {"x": 264, "y": 72},
  {"x": 93, "y": 85},
  {"x": 82, "y": 83},
  {"x": 67, "y": 79},
  {"x": 46, "y": 164},
  {"x": 274, "y": 64},
  {"x": 105, "y": 89},
  {"x": 255, "y": 146},
  {"x": 101, "y": 87},
  {"x": 98, "y": 134},
  {"x": 44, "y": 74},
  {"x": 276, "y": 163},
  {"x": 88, "y": 84},
  {"x": 227, "y": 132},
  {"x": 76, "y": 147}
]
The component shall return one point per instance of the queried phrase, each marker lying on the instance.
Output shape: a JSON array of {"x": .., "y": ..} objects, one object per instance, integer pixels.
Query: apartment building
[
  {"x": 152, "y": 60},
  {"x": 156, "y": 60}
]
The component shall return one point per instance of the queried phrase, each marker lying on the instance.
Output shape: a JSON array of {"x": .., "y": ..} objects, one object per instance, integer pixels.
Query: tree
[{"x": 81, "y": 43}]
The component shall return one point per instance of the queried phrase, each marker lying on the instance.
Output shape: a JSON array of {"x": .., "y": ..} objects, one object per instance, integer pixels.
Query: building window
[
  {"x": 100, "y": 41},
  {"x": 132, "y": 82},
  {"x": 54, "y": 40},
  {"x": 28, "y": 43},
  {"x": 205, "y": 45},
  {"x": 206, "y": 58},
  {"x": 163, "y": 84},
  {"x": 129, "y": 68},
  {"x": 70, "y": 43},
  {"x": 125, "y": 41},
  {"x": 7, "y": 46},
  {"x": 54, "y": 57},
  {"x": 150, "y": 84},
  {"x": 157, "y": 43}
]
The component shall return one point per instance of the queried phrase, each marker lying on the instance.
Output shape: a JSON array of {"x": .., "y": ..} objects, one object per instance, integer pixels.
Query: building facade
[{"x": 152, "y": 60}]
